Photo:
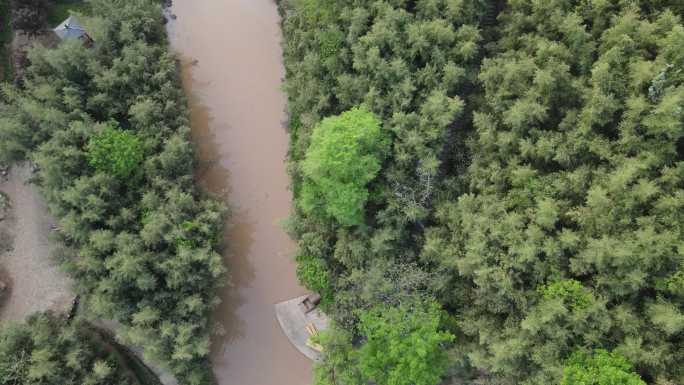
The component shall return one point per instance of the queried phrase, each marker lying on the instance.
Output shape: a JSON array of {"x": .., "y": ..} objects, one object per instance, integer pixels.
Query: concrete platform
[{"x": 293, "y": 321}]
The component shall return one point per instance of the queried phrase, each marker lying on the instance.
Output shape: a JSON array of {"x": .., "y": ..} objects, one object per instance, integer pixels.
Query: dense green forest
[
  {"x": 107, "y": 129},
  {"x": 49, "y": 350},
  {"x": 5, "y": 37},
  {"x": 485, "y": 190},
  {"x": 518, "y": 187}
]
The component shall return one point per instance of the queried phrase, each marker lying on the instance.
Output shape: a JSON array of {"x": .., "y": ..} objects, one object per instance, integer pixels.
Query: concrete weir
[{"x": 294, "y": 323}]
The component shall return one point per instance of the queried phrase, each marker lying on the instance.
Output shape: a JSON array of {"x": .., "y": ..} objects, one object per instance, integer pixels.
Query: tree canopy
[
  {"x": 403, "y": 345},
  {"x": 345, "y": 154},
  {"x": 398, "y": 345},
  {"x": 29, "y": 16},
  {"x": 533, "y": 184},
  {"x": 107, "y": 128},
  {"x": 47, "y": 350}
]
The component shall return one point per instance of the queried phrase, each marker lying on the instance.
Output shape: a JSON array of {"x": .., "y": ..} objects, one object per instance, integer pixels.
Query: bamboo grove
[
  {"x": 107, "y": 129},
  {"x": 523, "y": 194}
]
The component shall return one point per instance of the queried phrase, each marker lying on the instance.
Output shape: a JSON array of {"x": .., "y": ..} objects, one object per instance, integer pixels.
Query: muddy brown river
[{"x": 232, "y": 72}]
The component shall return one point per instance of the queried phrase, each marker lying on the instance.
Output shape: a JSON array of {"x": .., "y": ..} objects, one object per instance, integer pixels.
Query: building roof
[{"x": 70, "y": 29}]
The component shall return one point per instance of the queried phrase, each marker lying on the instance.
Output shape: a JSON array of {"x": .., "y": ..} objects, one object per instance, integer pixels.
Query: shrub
[
  {"x": 312, "y": 272},
  {"x": 403, "y": 345},
  {"x": 115, "y": 151},
  {"x": 599, "y": 368}
]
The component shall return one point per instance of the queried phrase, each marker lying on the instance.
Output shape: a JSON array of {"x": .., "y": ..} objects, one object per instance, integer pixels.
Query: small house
[{"x": 72, "y": 29}]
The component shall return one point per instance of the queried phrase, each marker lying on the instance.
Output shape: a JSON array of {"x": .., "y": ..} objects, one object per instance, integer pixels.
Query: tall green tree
[
  {"x": 403, "y": 345},
  {"x": 533, "y": 183},
  {"x": 115, "y": 151},
  {"x": 599, "y": 368},
  {"x": 345, "y": 154}
]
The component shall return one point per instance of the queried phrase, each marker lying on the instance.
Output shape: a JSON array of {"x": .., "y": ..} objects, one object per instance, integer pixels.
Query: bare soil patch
[{"x": 35, "y": 281}]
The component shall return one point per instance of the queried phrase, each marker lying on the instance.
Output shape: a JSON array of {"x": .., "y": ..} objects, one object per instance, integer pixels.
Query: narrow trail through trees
[{"x": 232, "y": 72}]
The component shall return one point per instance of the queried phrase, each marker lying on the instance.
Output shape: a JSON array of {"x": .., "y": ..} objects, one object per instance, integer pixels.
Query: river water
[{"x": 232, "y": 72}]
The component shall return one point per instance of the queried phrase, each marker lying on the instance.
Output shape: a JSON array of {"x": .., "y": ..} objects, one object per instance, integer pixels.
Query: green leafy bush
[
  {"x": 398, "y": 345},
  {"x": 340, "y": 365},
  {"x": 403, "y": 345},
  {"x": 313, "y": 274},
  {"x": 115, "y": 151},
  {"x": 569, "y": 291},
  {"x": 599, "y": 368},
  {"x": 135, "y": 234},
  {"x": 345, "y": 154}
]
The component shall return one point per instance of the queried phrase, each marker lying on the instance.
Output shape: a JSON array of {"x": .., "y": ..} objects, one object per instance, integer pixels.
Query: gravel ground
[{"x": 36, "y": 282}]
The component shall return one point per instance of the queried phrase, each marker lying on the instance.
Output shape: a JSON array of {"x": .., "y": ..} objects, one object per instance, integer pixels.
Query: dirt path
[
  {"x": 232, "y": 72},
  {"x": 36, "y": 282}
]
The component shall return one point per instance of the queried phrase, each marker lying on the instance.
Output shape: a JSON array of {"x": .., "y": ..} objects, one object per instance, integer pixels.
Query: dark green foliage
[
  {"x": 5, "y": 39},
  {"x": 115, "y": 152},
  {"x": 313, "y": 273},
  {"x": 59, "y": 10},
  {"x": 30, "y": 16},
  {"x": 599, "y": 368},
  {"x": 340, "y": 365},
  {"x": 534, "y": 182},
  {"x": 45, "y": 350},
  {"x": 107, "y": 128}
]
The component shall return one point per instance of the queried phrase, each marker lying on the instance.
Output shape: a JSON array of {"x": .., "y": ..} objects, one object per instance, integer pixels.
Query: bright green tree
[
  {"x": 313, "y": 273},
  {"x": 599, "y": 368},
  {"x": 403, "y": 344},
  {"x": 340, "y": 366},
  {"x": 115, "y": 151},
  {"x": 46, "y": 350},
  {"x": 345, "y": 154}
]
